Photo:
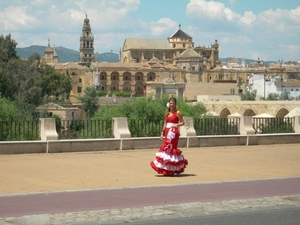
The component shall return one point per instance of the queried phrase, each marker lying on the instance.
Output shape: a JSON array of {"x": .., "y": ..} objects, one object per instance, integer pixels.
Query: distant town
[{"x": 174, "y": 66}]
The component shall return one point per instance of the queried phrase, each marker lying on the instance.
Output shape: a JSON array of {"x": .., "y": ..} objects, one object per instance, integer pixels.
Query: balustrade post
[
  {"x": 48, "y": 129},
  {"x": 120, "y": 127},
  {"x": 188, "y": 128},
  {"x": 246, "y": 127},
  {"x": 297, "y": 124}
]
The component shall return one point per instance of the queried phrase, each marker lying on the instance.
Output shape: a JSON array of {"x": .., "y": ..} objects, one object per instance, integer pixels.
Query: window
[
  {"x": 292, "y": 89},
  {"x": 78, "y": 89},
  {"x": 150, "y": 78},
  {"x": 102, "y": 78},
  {"x": 80, "y": 80},
  {"x": 183, "y": 45},
  {"x": 193, "y": 68},
  {"x": 184, "y": 68}
]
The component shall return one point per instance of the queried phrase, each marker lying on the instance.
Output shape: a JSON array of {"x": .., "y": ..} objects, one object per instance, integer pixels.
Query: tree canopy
[{"x": 31, "y": 79}]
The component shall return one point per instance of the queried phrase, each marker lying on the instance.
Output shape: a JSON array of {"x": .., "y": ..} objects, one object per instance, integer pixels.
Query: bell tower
[{"x": 86, "y": 55}]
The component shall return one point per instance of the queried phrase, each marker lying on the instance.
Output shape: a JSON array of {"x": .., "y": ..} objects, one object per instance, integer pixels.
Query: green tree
[
  {"x": 7, "y": 48},
  {"x": 7, "y": 53},
  {"x": 249, "y": 96},
  {"x": 273, "y": 97},
  {"x": 89, "y": 101},
  {"x": 148, "y": 109},
  {"x": 8, "y": 110},
  {"x": 55, "y": 83}
]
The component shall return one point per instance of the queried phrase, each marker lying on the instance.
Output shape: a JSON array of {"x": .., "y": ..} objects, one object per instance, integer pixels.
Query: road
[
  {"x": 273, "y": 216},
  {"x": 97, "y": 187}
]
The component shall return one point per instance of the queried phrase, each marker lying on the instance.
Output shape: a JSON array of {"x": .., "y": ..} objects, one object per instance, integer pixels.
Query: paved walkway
[{"x": 36, "y": 174}]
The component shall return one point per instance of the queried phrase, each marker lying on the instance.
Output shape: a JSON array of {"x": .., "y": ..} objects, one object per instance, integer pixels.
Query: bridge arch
[
  {"x": 249, "y": 112},
  {"x": 280, "y": 113},
  {"x": 224, "y": 113}
]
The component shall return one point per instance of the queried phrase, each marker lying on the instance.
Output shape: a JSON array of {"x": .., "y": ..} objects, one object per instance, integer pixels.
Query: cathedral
[{"x": 173, "y": 66}]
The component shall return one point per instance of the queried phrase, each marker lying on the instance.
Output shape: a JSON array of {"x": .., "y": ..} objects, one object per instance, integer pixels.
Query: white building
[{"x": 265, "y": 85}]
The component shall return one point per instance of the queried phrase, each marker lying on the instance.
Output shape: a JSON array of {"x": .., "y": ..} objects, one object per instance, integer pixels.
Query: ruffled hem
[
  {"x": 170, "y": 159},
  {"x": 168, "y": 170},
  {"x": 173, "y": 151}
]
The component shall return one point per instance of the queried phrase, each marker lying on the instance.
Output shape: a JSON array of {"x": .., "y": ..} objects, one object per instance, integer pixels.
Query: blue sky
[{"x": 266, "y": 29}]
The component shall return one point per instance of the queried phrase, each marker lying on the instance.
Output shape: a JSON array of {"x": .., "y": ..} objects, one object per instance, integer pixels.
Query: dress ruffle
[{"x": 169, "y": 161}]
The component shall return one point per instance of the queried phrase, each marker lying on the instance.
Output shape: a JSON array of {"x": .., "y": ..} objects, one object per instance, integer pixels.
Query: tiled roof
[
  {"x": 138, "y": 43},
  {"x": 68, "y": 65},
  {"x": 180, "y": 34},
  {"x": 288, "y": 83},
  {"x": 188, "y": 53}
]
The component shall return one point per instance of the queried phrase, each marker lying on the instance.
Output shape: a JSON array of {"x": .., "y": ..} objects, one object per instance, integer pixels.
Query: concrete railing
[
  {"x": 48, "y": 129},
  {"x": 188, "y": 139}
]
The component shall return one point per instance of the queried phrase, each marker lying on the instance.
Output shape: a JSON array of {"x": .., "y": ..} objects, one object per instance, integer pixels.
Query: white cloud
[
  {"x": 163, "y": 25},
  {"x": 247, "y": 33},
  {"x": 17, "y": 18},
  {"x": 248, "y": 18},
  {"x": 200, "y": 9},
  {"x": 242, "y": 33}
]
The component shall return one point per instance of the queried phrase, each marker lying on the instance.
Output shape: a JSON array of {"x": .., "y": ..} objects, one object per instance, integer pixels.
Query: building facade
[{"x": 155, "y": 67}]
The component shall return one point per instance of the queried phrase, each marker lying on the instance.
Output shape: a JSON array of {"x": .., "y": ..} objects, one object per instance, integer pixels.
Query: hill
[
  {"x": 64, "y": 54},
  {"x": 69, "y": 55}
]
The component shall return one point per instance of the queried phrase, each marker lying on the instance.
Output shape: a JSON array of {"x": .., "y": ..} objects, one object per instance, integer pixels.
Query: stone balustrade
[{"x": 122, "y": 139}]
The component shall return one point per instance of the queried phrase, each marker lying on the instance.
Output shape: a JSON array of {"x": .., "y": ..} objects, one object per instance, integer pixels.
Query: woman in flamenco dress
[{"x": 169, "y": 160}]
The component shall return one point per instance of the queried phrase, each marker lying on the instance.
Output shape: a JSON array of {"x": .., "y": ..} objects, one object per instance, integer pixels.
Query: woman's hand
[{"x": 162, "y": 135}]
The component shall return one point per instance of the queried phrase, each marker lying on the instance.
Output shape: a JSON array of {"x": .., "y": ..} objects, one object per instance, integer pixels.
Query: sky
[{"x": 265, "y": 29}]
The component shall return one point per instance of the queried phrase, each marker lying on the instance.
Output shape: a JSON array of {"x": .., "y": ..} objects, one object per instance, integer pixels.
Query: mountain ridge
[
  {"x": 64, "y": 54},
  {"x": 69, "y": 55}
]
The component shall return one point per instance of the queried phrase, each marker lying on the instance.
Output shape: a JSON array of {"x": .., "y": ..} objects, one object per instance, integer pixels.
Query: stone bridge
[{"x": 251, "y": 108}]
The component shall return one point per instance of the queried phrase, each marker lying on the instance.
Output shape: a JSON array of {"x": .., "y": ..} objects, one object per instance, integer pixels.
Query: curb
[{"x": 135, "y": 214}]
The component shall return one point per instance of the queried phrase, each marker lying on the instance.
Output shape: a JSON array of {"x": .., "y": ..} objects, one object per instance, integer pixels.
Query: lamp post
[
  {"x": 265, "y": 74},
  {"x": 281, "y": 79}
]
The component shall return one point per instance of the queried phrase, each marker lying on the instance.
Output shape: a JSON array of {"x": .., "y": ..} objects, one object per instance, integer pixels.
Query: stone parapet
[
  {"x": 90, "y": 145},
  {"x": 48, "y": 129}
]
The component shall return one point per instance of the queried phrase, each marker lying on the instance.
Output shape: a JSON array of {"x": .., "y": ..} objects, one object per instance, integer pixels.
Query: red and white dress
[{"x": 169, "y": 160}]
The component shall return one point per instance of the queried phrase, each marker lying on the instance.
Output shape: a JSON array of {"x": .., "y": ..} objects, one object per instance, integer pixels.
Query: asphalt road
[
  {"x": 274, "y": 216},
  {"x": 64, "y": 202}
]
